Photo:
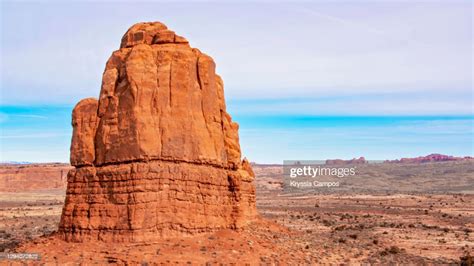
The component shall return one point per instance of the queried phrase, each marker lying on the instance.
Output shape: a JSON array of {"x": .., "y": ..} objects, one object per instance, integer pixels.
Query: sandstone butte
[{"x": 157, "y": 155}]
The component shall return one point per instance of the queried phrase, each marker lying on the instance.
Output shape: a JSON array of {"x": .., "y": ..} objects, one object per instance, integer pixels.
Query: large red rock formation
[{"x": 157, "y": 155}]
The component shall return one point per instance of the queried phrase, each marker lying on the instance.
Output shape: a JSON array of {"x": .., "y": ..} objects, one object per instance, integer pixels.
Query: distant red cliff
[
  {"x": 360, "y": 160},
  {"x": 435, "y": 157},
  {"x": 33, "y": 177}
]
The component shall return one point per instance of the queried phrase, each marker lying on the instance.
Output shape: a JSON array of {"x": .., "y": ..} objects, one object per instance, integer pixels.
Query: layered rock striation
[{"x": 157, "y": 155}]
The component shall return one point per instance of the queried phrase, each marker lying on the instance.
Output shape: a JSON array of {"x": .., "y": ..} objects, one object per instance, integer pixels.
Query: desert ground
[{"x": 387, "y": 213}]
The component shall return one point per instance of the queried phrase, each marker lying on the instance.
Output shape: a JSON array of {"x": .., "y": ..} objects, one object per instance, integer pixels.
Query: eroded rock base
[{"x": 143, "y": 201}]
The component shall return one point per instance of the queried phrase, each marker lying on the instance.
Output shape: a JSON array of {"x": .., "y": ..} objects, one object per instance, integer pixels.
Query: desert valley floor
[{"x": 402, "y": 213}]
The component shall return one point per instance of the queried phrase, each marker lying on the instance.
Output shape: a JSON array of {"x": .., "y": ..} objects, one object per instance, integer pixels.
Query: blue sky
[{"x": 381, "y": 79}]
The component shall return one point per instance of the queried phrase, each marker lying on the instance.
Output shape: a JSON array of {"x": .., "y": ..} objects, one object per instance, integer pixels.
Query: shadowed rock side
[{"x": 157, "y": 155}]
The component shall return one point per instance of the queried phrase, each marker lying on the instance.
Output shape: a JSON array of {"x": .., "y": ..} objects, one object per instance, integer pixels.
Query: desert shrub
[
  {"x": 353, "y": 236},
  {"x": 466, "y": 260}
]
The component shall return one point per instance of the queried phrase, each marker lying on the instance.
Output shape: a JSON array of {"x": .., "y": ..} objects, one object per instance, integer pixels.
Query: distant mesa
[
  {"x": 421, "y": 159},
  {"x": 360, "y": 160},
  {"x": 29, "y": 177},
  {"x": 157, "y": 155},
  {"x": 435, "y": 157},
  {"x": 14, "y": 162}
]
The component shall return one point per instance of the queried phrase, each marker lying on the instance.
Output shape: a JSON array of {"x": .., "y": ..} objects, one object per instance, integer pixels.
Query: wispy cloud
[
  {"x": 34, "y": 136},
  {"x": 4, "y": 117},
  {"x": 357, "y": 25},
  {"x": 31, "y": 116},
  {"x": 346, "y": 22}
]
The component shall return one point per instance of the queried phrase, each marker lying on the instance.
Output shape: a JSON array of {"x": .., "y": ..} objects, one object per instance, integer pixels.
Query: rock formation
[
  {"x": 157, "y": 155},
  {"x": 434, "y": 157},
  {"x": 33, "y": 177},
  {"x": 360, "y": 160}
]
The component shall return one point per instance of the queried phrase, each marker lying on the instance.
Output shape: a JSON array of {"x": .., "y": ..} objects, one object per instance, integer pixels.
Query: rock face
[
  {"x": 33, "y": 177},
  {"x": 157, "y": 155}
]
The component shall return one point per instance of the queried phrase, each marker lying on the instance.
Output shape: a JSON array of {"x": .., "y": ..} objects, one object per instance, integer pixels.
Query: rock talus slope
[{"x": 157, "y": 155}]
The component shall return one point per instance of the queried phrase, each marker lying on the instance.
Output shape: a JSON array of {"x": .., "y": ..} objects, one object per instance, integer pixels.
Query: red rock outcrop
[
  {"x": 157, "y": 155},
  {"x": 360, "y": 160},
  {"x": 434, "y": 157},
  {"x": 33, "y": 177}
]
